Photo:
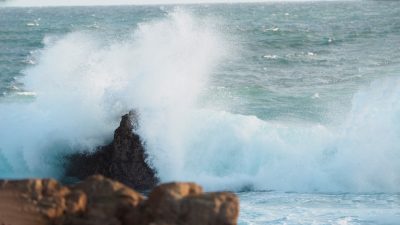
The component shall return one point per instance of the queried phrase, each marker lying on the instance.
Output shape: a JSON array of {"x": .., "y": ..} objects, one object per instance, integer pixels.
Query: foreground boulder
[
  {"x": 101, "y": 201},
  {"x": 37, "y": 202},
  {"x": 123, "y": 159},
  {"x": 185, "y": 203}
]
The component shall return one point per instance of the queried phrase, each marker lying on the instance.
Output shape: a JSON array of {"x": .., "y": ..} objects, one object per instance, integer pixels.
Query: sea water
[{"x": 293, "y": 105}]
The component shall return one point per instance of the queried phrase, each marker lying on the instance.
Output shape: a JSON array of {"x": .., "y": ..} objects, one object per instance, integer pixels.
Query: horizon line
[{"x": 67, "y": 3}]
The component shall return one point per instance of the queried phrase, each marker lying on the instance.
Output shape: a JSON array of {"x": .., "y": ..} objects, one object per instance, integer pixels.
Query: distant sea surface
[{"x": 295, "y": 106}]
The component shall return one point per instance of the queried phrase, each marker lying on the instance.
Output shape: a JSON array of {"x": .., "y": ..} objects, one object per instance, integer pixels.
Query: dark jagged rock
[
  {"x": 101, "y": 201},
  {"x": 124, "y": 159}
]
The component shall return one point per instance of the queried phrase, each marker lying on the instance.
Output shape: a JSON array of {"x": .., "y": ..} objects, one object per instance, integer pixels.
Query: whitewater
[{"x": 284, "y": 103}]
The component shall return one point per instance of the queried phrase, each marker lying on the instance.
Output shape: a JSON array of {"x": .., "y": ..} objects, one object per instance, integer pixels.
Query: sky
[{"x": 116, "y": 2}]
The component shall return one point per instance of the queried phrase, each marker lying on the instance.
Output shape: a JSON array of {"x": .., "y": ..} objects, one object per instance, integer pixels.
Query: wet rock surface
[
  {"x": 124, "y": 159},
  {"x": 102, "y": 201}
]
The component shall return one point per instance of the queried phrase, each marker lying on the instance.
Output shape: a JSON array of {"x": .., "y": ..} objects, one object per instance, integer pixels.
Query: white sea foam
[
  {"x": 270, "y": 56},
  {"x": 329, "y": 209},
  {"x": 83, "y": 84},
  {"x": 26, "y": 93}
]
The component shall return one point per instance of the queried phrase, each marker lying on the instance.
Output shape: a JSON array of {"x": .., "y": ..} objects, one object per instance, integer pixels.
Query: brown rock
[
  {"x": 32, "y": 201},
  {"x": 185, "y": 203},
  {"x": 108, "y": 201},
  {"x": 76, "y": 202},
  {"x": 108, "y": 196},
  {"x": 213, "y": 208},
  {"x": 101, "y": 201},
  {"x": 164, "y": 203}
]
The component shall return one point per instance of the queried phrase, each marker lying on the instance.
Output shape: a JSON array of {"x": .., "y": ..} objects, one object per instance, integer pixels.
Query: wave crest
[{"x": 83, "y": 84}]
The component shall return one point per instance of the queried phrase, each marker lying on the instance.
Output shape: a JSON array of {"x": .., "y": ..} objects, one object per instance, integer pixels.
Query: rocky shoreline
[
  {"x": 97, "y": 200},
  {"x": 102, "y": 201}
]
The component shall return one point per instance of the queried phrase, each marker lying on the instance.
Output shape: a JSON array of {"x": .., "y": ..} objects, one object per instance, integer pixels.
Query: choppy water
[
  {"x": 302, "y": 208},
  {"x": 299, "y": 98}
]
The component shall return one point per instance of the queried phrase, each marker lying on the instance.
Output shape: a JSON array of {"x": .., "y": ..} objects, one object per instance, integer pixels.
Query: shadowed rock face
[
  {"x": 37, "y": 202},
  {"x": 101, "y": 201},
  {"x": 122, "y": 160},
  {"x": 185, "y": 203}
]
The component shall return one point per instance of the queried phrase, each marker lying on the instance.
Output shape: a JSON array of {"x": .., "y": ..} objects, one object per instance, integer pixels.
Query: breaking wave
[{"x": 83, "y": 84}]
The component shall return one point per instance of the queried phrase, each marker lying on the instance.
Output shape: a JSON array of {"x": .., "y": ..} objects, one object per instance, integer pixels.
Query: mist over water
[
  {"x": 83, "y": 84},
  {"x": 295, "y": 106},
  {"x": 169, "y": 70},
  {"x": 224, "y": 150}
]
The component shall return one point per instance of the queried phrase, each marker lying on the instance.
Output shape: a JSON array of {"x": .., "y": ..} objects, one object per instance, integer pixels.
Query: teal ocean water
[{"x": 295, "y": 106}]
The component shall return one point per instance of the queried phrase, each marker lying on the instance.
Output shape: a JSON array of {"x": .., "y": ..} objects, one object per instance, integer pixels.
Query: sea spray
[
  {"x": 228, "y": 151},
  {"x": 83, "y": 84}
]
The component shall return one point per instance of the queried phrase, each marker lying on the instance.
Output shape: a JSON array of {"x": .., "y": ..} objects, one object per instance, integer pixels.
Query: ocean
[{"x": 295, "y": 106}]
